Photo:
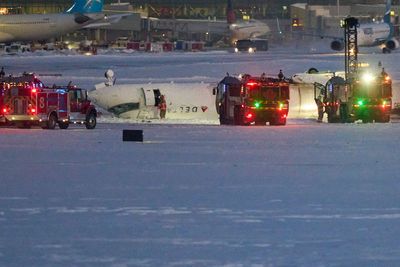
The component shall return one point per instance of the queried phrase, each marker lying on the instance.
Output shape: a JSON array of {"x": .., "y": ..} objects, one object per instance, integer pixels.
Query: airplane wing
[
  {"x": 321, "y": 36},
  {"x": 106, "y": 21}
]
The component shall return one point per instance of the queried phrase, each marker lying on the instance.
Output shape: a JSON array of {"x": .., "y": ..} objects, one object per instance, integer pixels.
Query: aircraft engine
[
  {"x": 392, "y": 44},
  {"x": 81, "y": 19},
  {"x": 337, "y": 45}
]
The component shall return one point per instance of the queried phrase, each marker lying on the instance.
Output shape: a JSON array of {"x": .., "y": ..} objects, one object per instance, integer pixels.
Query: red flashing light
[
  {"x": 33, "y": 110},
  {"x": 34, "y": 90},
  {"x": 249, "y": 115},
  {"x": 250, "y": 84},
  {"x": 4, "y": 110}
]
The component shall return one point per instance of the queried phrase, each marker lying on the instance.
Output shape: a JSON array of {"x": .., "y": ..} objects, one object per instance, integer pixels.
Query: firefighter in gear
[
  {"x": 320, "y": 106},
  {"x": 162, "y": 107}
]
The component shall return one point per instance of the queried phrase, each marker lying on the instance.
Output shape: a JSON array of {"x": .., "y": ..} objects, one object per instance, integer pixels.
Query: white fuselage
[
  {"x": 248, "y": 29},
  {"x": 185, "y": 101},
  {"x": 372, "y": 34},
  {"x": 321, "y": 77},
  {"x": 14, "y": 28},
  {"x": 138, "y": 101}
]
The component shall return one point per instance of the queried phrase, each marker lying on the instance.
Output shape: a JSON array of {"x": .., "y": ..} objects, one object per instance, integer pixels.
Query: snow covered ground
[{"x": 305, "y": 194}]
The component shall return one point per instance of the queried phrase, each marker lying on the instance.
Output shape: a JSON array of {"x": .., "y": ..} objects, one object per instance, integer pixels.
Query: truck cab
[
  {"x": 252, "y": 100},
  {"x": 81, "y": 110}
]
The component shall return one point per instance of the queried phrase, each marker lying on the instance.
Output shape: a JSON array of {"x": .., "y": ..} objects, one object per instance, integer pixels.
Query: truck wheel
[
  {"x": 222, "y": 119},
  {"x": 23, "y": 125},
  {"x": 238, "y": 116},
  {"x": 366, "y": 119},
  {"x": 63, "y": 125},
  {"x": 91, "y": 121},
  {"x": 51, "y": 123},
  {"x": 277, "y": 121},
  {"x": 383, "y": 118}
]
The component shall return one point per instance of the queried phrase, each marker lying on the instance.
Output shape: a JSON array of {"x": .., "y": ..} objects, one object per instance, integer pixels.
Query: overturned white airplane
[{"x": 185, "y": 101}]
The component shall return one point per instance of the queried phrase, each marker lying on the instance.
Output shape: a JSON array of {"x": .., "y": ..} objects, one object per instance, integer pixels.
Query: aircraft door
[
  {"x": 75, "y": 97},
  {"x": 152, "y": 97},
  {"x": 157, "y": 97}
]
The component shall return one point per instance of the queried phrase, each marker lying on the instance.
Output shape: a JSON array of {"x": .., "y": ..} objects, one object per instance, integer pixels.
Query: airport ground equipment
[
  {"x": 367, "y": 98},
  {"x": 251, "y": 45},
  {"x": 25, "y": 101},
  {"x": 363, "y": 95},
  {"x": 252, "y": 100}
]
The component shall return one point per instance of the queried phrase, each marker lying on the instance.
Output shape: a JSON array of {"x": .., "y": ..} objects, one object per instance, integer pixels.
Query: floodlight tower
[{"x": 351, "y": 47}]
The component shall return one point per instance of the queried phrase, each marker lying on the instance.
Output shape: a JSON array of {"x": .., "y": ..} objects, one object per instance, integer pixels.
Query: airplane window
[{"x": 78, "y": 94}]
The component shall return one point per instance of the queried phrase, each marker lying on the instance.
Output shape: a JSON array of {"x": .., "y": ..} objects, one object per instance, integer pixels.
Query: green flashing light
[
  {"x": 257, "y": 104},
  {"x": 360, "y": 102}
]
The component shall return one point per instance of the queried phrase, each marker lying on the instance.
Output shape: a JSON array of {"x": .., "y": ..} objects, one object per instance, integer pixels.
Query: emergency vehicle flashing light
[
  {"x": 251, "y": 84},
  {"x": 34, "y": 90},
  {"x": 249, "y": 115},
  {"x": 386, "y": 104},
  {"x": 257, "y": 104}
]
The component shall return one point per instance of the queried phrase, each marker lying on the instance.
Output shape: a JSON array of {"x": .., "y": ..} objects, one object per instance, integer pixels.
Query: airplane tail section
[
  {"x": 386, "y": 17},
  {"x": 86, "y": 6},
  {"x": 230, "y": 14}
]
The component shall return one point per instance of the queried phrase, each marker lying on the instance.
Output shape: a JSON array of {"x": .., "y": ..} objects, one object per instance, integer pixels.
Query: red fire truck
[
  {"x": 25, "y": 101},
  {"x": 248, "y": 100}
]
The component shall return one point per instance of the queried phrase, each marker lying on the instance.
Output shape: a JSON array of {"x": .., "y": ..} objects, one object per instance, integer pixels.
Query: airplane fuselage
[
  {"x": 251, "y": 29},
  {"x": 372, "y": 34},
  {"x": 14, "y": 28},
  {"x": 191, "y": 101},
  {"x": 139, "y": 101}
]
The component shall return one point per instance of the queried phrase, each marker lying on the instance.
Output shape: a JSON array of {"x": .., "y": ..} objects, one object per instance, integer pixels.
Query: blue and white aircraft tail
[
  {"x": 86, "y": 6},
  {"x": 38, "y": 27},
  {"x": 386, "y": 17}
]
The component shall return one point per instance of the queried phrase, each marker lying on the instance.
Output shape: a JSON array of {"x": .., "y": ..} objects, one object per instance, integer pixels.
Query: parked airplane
[
  {"x": 245, "y": 29},
  {"x": 372, "y": 34},
  {"x": 185, "y": 101},
  {"x": 36, "y": 27}
]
